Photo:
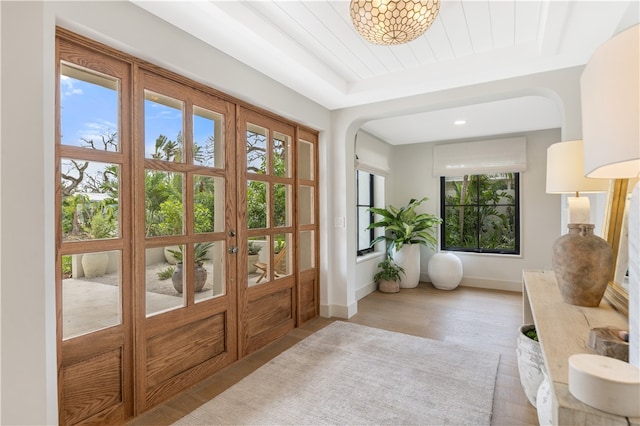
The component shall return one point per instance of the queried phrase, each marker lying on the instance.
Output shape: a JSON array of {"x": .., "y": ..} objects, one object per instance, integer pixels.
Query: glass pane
[
  {"x": 282, "y": 205},
  {"x": 497, "y": 227},
  {"x": 459, "y": 190},
  {"x": 163, "y": 127},
  {"x": 497, "y": 189},
  {"x": 364, "y": 188},
  {"x": 281, "y": 155},
  {"x": 256, "y": 149},
  {"x": 164, "y": 282},
  {"x": 208, "y": 146},
  {"x": 163, "y": 203},
  {"x": 89, "y": 200},
  {"x": 364, "y": 234},
  {"x": 209, "y": 209},
  {"x": 307, "y": 250},
  {"x": 212, "y": 271},
  {"x": 91, "y": 292},
  {"x": 256, "y": 204},
  {"x": 306, "y": 208},
  {"x": 461, "y": 227},
  {"x": 282, "y": 255},
  {"x": 305, "y": 160},
  {"x": 89, "y": 109},
  {"x": 258, "y": 260}
]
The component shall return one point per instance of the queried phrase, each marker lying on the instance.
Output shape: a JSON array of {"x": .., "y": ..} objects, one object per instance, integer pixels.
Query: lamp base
[{"x": 583, "y": 265}]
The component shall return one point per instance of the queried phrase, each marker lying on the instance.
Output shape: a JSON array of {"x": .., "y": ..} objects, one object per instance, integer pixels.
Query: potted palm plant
[
  {"x": 405, "y": 231},
  {"x": 200, "y": 273},
  {"x": 388, "y": 276}
]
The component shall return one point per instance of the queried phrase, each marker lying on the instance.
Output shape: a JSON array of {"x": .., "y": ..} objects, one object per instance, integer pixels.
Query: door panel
[
  {"x": 93, "y": 268},
  {"x": 267, "y": 297},
  {"x": 187, "y": 329}
]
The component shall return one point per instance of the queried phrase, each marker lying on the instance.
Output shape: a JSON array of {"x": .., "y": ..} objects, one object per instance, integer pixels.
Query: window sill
[{"x": 369, "y": 256}]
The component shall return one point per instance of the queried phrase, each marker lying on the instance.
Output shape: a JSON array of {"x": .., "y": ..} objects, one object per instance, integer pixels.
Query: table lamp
[
  {"x": 610, "y": 89},
  {"x": 610, "y": 92},
  {"x": 565, "y": 175}
]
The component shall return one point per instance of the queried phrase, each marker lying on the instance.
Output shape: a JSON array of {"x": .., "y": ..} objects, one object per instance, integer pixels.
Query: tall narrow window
[
  {"x": 364, "y": 201},
  {"x": 481, "y": 213}
]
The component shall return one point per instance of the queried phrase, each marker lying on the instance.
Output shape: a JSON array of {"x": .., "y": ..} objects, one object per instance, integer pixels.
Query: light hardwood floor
[{"x": 487, "y": 320}]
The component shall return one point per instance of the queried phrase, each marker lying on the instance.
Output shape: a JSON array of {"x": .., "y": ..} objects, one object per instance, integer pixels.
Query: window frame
[
  {"x": 478, "y": 249},
  {"x": 370, "y": 249}
]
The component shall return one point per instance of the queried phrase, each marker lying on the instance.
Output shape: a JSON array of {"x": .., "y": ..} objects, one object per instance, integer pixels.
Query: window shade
[
  {"x": 480, "y": 157},
  {"x": 372, "y": 154}
]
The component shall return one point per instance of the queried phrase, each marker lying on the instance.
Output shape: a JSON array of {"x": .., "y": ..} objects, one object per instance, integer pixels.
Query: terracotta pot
[{"x": 583, "y": 265}]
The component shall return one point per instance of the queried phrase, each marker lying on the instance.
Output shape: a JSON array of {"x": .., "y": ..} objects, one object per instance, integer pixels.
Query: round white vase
[
  {"x": 445, "y": 270},
  {"x": 408, "y": 257}
]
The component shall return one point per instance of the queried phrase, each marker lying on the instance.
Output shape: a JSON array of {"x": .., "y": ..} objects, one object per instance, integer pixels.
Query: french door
[{"x": 203, "y": 221}]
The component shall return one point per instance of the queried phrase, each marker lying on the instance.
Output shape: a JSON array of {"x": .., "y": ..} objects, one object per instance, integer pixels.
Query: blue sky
[{"x": 90, "y": 110}]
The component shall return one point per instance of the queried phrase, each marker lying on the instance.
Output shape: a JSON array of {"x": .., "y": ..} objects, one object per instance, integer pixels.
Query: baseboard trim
[
  {"x": 339, "y": 311},
  {"x": 492, "y": 284},
  {"x": 364, "y": 291}
]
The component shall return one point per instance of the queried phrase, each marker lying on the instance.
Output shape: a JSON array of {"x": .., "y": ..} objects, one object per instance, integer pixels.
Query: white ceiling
[{"x": 311, "y": 47}]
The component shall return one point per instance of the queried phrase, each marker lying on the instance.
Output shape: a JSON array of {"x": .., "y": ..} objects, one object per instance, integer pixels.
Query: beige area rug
[{"x": 356, "y": 375}]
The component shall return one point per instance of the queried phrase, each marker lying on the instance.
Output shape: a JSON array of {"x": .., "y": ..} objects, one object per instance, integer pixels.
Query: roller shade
[
  {"x": 480, "y": 157},
  {"x": 372, "y": 154}
]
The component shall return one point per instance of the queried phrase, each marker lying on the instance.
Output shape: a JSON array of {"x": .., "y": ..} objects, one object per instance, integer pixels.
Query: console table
[{"x": 563, "y": 330}]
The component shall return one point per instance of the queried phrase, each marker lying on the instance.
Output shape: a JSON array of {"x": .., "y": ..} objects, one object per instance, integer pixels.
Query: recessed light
[{"x": 460, "y": 122}]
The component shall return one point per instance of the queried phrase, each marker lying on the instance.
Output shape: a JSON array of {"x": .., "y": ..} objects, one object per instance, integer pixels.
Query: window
[
  {"x": 481, "y": 213},
  {"x": 364, "y": 201}
]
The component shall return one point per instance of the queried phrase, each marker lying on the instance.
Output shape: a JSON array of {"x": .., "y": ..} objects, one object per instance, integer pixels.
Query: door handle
[{"x": 233, "y": 250}]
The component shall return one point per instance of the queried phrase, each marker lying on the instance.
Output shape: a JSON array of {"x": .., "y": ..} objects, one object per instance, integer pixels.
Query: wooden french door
[
  {"x": 266, "y": 186},
  {"x": 185, "y": 214},
  {"x": 186, "y": 232}
]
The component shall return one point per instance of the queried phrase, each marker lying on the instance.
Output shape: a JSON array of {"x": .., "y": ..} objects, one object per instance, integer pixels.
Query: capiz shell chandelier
[{"x": 389, "y": 22}]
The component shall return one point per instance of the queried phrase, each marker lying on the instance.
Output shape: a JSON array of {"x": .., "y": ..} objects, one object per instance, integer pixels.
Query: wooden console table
[{"x": 563, "y": 330}]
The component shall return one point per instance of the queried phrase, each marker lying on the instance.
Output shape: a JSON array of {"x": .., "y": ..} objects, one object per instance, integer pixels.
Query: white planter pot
[
  {"x": 544, "y": 402},
  {"x": 95, "y": 264},
  {"x": 408, "y": 257},
  {"x": 445, "y": 270},
  {"x": 530, "y": 363}
]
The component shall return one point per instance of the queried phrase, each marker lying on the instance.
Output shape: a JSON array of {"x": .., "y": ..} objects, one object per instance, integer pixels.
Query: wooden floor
[{"x": 487, "y": 320}]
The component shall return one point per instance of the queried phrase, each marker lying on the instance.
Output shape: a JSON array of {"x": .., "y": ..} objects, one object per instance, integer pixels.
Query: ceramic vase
[
  {"x": 95, "y": 264},
  {"x": 200, "y": 277},
  {"x": 583, "y": 265},
  {"x": 408, "y": 257},
  {"x": 530, "y": 363},
  {"x": 445, "y": 270}
]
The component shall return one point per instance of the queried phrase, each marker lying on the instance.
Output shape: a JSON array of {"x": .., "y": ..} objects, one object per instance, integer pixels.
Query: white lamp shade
[
  {"x": 610, "y": 87},
  {"x": 565, "y": 170}
]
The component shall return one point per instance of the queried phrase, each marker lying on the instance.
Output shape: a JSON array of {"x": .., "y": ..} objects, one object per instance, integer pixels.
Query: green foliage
[
  {"x": 66, "y": 266},
  {"x": 171, "y": 214},
  {"x": 532, "y": 334},
  {"x": 388, "y": 271},
  {"x": 199, "y": 254},
  {"x": 166, "y": 273},
  {"x": 480, "y": 212},
  {"x": 256, "y": 204},
  {"x": 405, "y": 226}
]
